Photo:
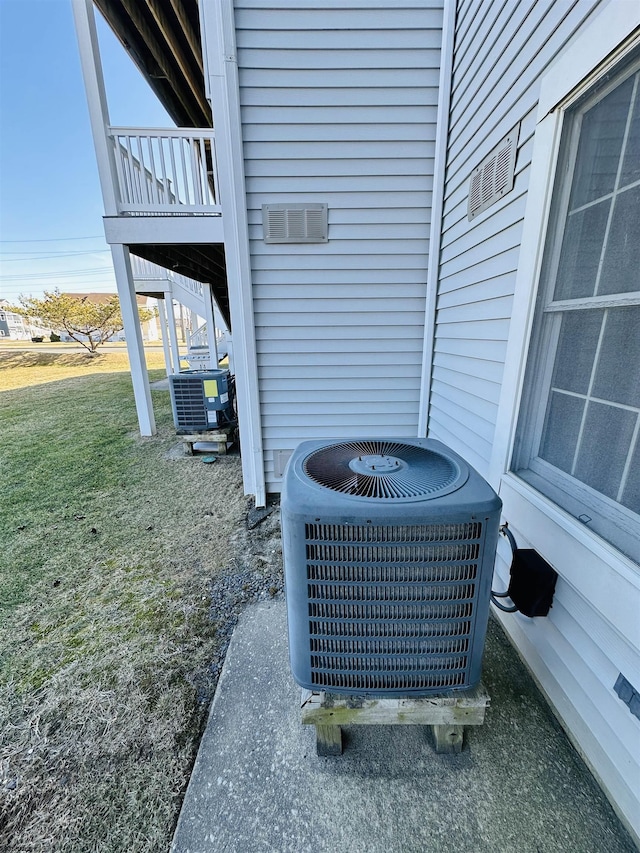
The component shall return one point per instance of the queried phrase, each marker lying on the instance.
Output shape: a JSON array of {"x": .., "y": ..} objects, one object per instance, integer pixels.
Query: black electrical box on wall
[{"x": 532, "y": 583}]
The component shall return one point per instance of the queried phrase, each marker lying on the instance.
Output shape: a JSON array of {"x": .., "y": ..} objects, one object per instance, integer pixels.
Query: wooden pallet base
[
  {"x": 219, "y": 437},
  {"x": 447, "y": 714}
]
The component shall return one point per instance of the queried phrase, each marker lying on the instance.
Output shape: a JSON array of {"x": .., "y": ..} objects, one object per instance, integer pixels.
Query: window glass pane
[
  {"x": 586, "y": 457},
  {"x": 631, "y": 166},
  {"x": 631, "y": 494},
  {"x": 618, "y": 372},
  {"x": 576, "y": 350},
  {"x": 621, "y": 267},
  {"x": 604, "y": 447},
  {"x": 561, "y": 430},
  {"x": 581, "y": 250},
  {"x": 601, "y": 137}
]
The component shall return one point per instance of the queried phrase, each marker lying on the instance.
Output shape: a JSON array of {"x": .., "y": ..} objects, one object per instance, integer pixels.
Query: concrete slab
[
  {"x": 160, "y": 384},
  {"x": 258, "y": 784}
]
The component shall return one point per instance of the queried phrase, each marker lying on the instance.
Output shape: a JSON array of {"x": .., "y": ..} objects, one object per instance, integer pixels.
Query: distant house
[
  {"x": 419, "y": 218},
  {"x": 12, "y": 325}
]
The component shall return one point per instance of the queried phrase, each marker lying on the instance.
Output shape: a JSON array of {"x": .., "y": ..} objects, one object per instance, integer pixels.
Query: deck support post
[
  {"x": 173, "y": 333},
  {"x": 209, "y": 316},
  {"x": 164, "y": 334},
  {"x": 133, "y": 334},
  {"x": 99, "y": 118}
]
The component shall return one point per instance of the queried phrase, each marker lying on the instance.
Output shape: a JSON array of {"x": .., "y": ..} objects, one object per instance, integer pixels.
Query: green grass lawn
[
  {"x": 67, "y": 448},
  {"x": 108, "y": 544}
]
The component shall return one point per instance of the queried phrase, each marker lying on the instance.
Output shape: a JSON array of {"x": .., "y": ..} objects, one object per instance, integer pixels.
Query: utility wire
[
  {"x": 83, "y": 286},
  {"x": 37, "y": 257},
  {"x": 69, "y": 288},
  {"x": 58, "y": 274},
  {"x": 56, "y": 239}
]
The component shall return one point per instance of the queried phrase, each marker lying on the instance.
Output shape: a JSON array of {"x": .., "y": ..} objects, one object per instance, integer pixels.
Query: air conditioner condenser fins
[{"x": 388, "y": 547}]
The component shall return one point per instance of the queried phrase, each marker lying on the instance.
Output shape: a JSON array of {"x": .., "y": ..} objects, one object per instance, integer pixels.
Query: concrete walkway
[
  {"x": 258, "y": 785},
  {"x": 160, "y": 384}
]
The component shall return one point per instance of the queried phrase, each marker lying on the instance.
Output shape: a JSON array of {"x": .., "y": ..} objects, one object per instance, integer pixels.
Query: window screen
[{"x": 578, "y": 438}]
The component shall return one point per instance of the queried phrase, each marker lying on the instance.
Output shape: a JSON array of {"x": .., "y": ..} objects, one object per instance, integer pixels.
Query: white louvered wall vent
[
  {"x": 295, "y": 223},
  {"x": 494, "y": 176}
]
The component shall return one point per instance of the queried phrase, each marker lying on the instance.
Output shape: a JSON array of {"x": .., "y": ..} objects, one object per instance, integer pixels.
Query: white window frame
[
  {"x": 580, "y": 556},
  {"x": 621, "y": 524}
]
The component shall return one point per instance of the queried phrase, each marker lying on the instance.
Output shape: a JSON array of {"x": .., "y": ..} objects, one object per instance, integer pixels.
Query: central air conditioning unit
[
  {"x": 389, "y": 548},
  {"x": 201, "y": 399}
]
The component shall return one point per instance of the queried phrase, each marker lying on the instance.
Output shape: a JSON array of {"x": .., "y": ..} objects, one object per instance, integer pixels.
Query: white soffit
[{"x": 494, "y": 177}]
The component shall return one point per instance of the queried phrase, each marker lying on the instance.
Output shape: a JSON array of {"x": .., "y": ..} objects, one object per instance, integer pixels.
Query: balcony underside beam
[{"x": 163, "y": 229}]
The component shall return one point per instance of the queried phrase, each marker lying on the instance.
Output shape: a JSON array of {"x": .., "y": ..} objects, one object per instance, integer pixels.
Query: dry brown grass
[{"x": 106, "y": 632}]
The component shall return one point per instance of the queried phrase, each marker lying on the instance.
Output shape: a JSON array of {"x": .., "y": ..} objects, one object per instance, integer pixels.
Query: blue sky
[{"x": 51, "y": 209}]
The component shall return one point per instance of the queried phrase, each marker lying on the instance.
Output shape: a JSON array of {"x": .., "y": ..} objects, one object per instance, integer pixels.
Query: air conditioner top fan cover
[
  {"x": 388, "y": 551},
  {"x": 385, "y": 470}
]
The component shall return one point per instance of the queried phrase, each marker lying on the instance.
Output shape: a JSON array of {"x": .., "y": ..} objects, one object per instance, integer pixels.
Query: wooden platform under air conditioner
[
  {"x": 447, "y": 714},
  {"x": 220, "y": 437}
]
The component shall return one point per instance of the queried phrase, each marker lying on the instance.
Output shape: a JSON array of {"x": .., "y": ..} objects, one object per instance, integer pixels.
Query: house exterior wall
[
  {"x": 12, "y": 325},
  {"x": 501, "y": 53},
  {"x": 338, "y": 105}
]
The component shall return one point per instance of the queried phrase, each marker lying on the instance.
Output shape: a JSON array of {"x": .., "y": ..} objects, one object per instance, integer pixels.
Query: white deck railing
[
  {"x": 196, "y": 287},
  {"x": 165, "y": 171},
  {"x": 144, "y": 270},
  {"x": 198, "y": 339}
]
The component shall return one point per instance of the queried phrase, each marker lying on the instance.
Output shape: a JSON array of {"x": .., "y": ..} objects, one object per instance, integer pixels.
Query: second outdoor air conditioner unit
[
  {"x": 201, "y": 399},
  {"x": 389, "y": 548}
]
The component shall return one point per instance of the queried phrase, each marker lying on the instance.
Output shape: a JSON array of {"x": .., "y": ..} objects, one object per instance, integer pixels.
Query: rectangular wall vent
[
  {"x": 295, "y": 223},
  {"x": 494, "y": 177}
]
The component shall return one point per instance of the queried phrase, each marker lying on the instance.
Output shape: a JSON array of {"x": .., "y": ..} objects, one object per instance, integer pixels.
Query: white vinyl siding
[
  {"x": 501, "y": 52},
  {"x": 339, "y": 105}
]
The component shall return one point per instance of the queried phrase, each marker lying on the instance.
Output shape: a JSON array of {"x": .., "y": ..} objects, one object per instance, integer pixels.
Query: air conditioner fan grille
[{"x": 383, "y": 470}]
